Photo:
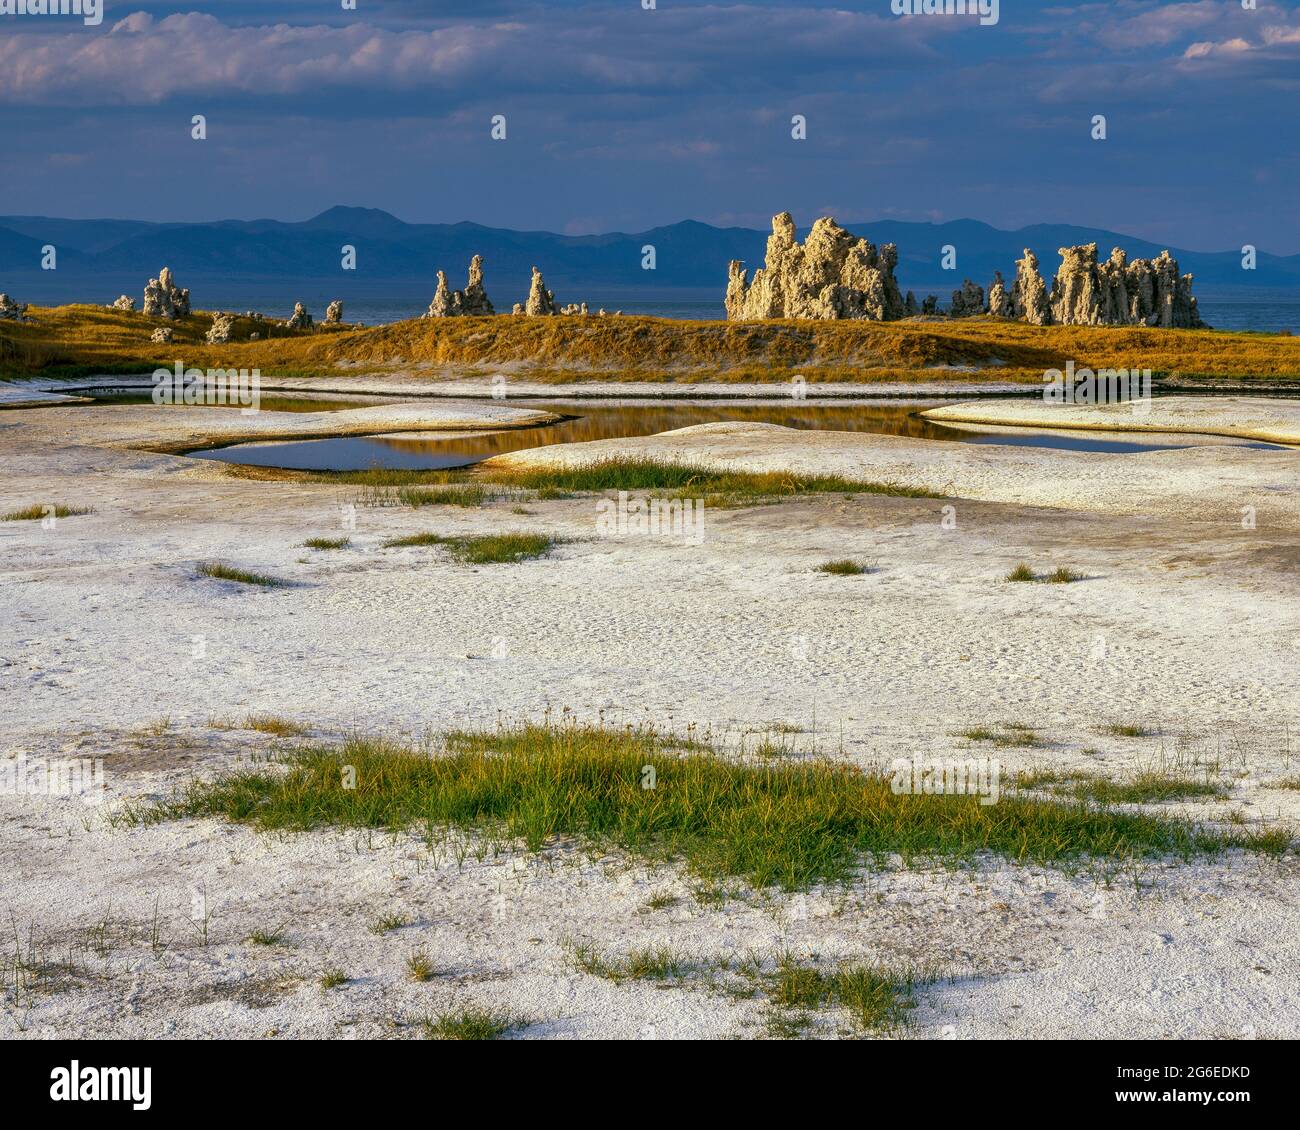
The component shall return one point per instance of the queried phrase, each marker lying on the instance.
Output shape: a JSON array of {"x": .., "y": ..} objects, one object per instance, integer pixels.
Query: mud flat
[
  {"x": 1186, "y": 620},
  {"x": 179, "y": 429},
  {"x": 1212, "y": 482}
]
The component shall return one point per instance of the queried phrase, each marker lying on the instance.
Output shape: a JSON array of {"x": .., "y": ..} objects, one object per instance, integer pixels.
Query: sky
[{"x": 622, "y": 118}]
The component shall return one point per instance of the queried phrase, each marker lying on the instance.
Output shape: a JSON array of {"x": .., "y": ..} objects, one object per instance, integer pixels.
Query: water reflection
[
  {"x": 617, "y": 420},
  {"x": 266, "y": 402}
]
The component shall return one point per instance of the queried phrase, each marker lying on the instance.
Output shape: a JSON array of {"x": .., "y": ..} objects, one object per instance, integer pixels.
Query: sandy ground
[
  {"x": 111, "y": 647},
  {"x": 168, "y": 429},
  {"x": 1246, "y": 417}
]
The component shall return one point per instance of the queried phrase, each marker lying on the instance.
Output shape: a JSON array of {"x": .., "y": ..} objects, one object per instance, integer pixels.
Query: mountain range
[{"x": 122, "y": 254}]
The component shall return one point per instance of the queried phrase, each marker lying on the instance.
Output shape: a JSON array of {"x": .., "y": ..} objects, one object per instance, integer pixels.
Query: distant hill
[{"x": 99, "y": 256}]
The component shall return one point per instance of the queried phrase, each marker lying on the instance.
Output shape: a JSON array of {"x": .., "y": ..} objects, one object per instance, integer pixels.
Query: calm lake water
[{"x": 603, "y": 420}]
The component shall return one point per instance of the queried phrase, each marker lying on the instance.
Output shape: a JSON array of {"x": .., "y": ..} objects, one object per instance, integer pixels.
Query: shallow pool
[{"x": 588, "y": 420}]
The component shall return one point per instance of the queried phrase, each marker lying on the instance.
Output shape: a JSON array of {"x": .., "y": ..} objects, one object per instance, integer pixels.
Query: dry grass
[
  {"x": 39, "y": 511},
  {"x": 75, "y": 340},
  {"x": 218, "y": 571},
  {"x": 842, "y": 567},
  {"x": 274, "y": 724},
  {"x": 487, "y": 549}
]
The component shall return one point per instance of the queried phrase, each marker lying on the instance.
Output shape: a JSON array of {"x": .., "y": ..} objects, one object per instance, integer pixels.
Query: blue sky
[{"x": 620, "y": 118}]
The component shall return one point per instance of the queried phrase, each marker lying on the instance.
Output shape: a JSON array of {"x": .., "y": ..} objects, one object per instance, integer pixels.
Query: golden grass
[{"x": 73, "y": 340}]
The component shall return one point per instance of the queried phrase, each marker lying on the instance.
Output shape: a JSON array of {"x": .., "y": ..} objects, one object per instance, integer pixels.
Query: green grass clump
[
  {"x": 1059, "y": 576},
  {"x": 1063, "y": 576},
  {"x": 419, "y": 966},
  {"x": 219, "y": 572},
  {"x": 1004, "y": 735},
  {"x": 1149, "y": 786},
  {"x": 385, "y": 477},
  {"x": 485, "y": 549},
  {"x": 464, "y": 494},
  {"x": 327, "y": 543},
  {"x": 843, "y": 567},
  {"x": 1146, "y": 787},
  {"x": 470, "y": 1024},
  {"x": 784, "y": 823},
  {"x": 274, "y": 724},
  {"x": 386, "y": 923},
  {"x": 261, "y": 937},
  {"x": 652, "y": 963},
  {"x": 878, "y": 999},
  {"x": 692, "y": 480},
  {"x": 332, "y": 978},
  {"x": 37, "y": 511},
  {"x": 1127, "y": 730}
]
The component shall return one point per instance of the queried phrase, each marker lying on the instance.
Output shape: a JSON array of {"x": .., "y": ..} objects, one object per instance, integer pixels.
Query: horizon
[{"x": 801, "y": 225}]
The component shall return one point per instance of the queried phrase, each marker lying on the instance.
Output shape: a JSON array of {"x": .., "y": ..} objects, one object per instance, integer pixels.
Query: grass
[
  {"x": 471, "y": 1024},
  {"x": 484, "y": 549},
  {"x": 877, "y": 998},
  {"x": 652, "y": 963},
  {"x": 327, "y": 543},
  {"x": 1058, "y": 576},
  {"x": 332, "y": 978},
  {"x": 461, "y": 494},
  {"x": 843, "y": 567},
  {"x": 220, "y": 572},
  {"x": 274, "y": 724},
  {"x": 783, "y": 823},
  {"x": 261, "y": 937},
  {"x": 419, "y": 966},
  {"x": 155, "y": 729},
  {"x": 38, "y": 511},
  {"x": 1063, "y": 576},
  {"x": 691, "y": 480},
  {"x": 1147, "y": 787},
  {"x": 1004, "y": 735},
  {"x": 84, "y": 339},
  {"x": 1285, "y": 783},
  {"x": 661, "y": 901},
  {"x": 387, "y": 478},
  {"x": 389, "y": 922},
  {"x": 1127, "y": 730}
]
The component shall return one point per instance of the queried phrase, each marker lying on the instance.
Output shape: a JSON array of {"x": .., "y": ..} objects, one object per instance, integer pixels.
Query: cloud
[{"x": 145, "y": 61}]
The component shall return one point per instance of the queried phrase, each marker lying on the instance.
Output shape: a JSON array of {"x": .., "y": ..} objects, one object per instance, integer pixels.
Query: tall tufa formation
[
  {"x": 334, "y": 313},
  {"x": 472, "y": 302},
  {"x": 11, "y": 311},
  {"x": 540, "y": 300},
  {"x": 1077, "y": 288},
  {"x": 1145, "y": 292},
  {"x": 999, "y": 299},
  {"x": 223, "y": 325},
  {"x": 163, "y": 299},
  {"x": 1029, "y": 301},
  {"x": 299, "y": 319},
  {"x": 969, "y": 301},
  {"x": 834, "y": 274}
]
